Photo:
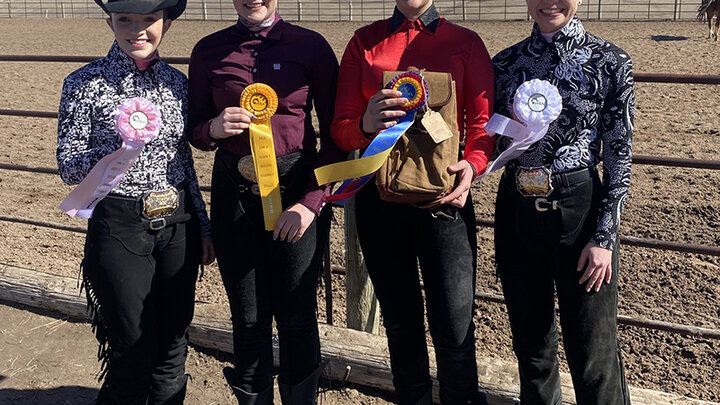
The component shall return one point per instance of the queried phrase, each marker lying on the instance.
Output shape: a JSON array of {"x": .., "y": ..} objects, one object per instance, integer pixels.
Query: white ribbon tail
[{"x": 521, "y": 135}]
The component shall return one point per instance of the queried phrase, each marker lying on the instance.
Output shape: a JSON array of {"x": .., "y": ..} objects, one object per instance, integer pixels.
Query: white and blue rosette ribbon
[{"x": 536, "y": 104}]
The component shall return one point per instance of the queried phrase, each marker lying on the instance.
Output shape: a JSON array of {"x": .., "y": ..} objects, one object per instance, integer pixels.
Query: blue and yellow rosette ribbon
[
  {"x": 355, "y": 173},
  {"x": 260, "y": 100}
]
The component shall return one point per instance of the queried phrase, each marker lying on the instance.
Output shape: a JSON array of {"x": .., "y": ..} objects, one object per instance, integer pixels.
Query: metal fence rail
[
  {"x": 369, "y": 10},
  {"x": 486, "y": 296}
]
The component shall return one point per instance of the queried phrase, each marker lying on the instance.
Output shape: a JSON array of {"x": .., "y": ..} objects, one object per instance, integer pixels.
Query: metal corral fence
[
  {"x": 370, "y": 10},
  {"x": 687, "y": 330}
]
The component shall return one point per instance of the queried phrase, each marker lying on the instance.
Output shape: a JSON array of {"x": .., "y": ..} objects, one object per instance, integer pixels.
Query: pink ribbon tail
[{"x": 106, "y": 174}]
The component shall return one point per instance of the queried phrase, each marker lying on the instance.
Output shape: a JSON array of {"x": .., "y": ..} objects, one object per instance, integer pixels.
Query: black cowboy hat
[{"x": 174, "y": 7}]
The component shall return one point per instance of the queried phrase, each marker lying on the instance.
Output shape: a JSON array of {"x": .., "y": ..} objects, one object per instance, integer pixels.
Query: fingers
[
  {"x": 285, "y": 230},
  {"x": 583, "y": 259},
  {"x": 459, "y": 194},
  {"x": 231, "y": 121},
  {"x": 381, "y": 112},
  {"x": 208, "y": 255},
  {"x": 595, "y": 275},
  {"x": 456, "y": 198}
]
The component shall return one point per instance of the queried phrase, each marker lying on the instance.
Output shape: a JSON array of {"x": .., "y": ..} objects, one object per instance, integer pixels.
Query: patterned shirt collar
[
  {"x": 568, "y": 37},
  {"x": 120, "y": 61},
  {"x": 430, "y": 19},
  {"x": 124, "y": 64}
]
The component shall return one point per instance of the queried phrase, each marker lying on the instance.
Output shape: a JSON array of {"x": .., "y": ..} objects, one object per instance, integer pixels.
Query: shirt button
[{"x": 254, "y": 70}]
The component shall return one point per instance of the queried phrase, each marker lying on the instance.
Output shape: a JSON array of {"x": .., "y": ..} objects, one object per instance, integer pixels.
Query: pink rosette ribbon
[{"x": 137, "y": 121}]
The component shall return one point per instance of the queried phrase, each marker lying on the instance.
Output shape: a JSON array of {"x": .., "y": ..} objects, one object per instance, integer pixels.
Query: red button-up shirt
[
  {"x": 431, "y": 43},
  {"x": 297, "y": 63}
]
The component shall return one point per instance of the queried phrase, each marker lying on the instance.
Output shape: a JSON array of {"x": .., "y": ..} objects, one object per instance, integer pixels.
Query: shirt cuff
[
  {"x": 478, "y": 162},
  {"x": 313, "y": 200},
  {"x": 202, "y": 139}
]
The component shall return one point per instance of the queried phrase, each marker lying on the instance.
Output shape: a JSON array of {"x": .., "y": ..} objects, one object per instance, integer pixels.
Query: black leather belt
[
  {"x": 567, "y": 179},
  {"x": 154, "y": 224}
]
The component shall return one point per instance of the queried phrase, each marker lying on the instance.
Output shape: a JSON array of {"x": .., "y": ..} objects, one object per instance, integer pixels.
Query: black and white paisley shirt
[
  {"x": 86, "y": 126},
  {"x": 596, "y": 83}
]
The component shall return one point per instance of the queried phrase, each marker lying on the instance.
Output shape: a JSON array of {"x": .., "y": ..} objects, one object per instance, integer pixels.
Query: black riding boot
[
  {"x": 426, "y": 399},
  {"x": 302, "y": 393},
  {"x": 170, "y": 392},
  {"x": 247, "y": 398}
]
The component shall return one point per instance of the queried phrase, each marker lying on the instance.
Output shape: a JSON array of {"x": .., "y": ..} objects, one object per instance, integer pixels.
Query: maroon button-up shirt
[{"x": 297, "y": 63}]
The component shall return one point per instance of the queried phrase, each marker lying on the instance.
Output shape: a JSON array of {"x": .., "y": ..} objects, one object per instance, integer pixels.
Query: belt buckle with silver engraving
[
  {"x": 246, "y": 167},
  {"x": 158, "y": 204},
  {"x": 533, "y": 181}
]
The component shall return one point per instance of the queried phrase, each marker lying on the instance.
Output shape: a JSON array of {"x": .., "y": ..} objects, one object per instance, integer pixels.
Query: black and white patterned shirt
[
  {"x": 595, "y": 80},
  {"x": 86, "y": 126}
]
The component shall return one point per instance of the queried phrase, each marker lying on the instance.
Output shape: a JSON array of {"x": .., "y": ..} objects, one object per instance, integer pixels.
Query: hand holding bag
[{"x": 416, "y": 172}]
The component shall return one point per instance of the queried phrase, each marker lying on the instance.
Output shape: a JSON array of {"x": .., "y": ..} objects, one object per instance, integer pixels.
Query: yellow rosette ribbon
[{"x": 260, "y": 100}]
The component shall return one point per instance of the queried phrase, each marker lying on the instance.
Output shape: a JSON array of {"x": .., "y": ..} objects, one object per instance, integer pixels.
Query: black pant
[
  {"x": 537, "y": 249},
  {"x": 141, "y": 285},
  {"x": 394, "y": 237},
  {"x": 265, "y": 278}
]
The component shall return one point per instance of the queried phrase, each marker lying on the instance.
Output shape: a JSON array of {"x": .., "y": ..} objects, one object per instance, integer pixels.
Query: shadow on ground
[
  {"x": 69, "y": 395},
  {"x": 668, "y": 38}
]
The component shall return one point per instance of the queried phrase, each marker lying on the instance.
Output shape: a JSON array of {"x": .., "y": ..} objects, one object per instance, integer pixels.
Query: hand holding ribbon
[
  {"x": 137, "y": 121},
  {"x": 536, "y": 104},
  {"x": 381, "y": 112},
  {"x": 355, "y": 173}
]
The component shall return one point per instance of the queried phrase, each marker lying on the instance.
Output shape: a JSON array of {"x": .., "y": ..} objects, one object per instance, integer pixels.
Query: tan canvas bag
[{"x": 415, "y": 172}]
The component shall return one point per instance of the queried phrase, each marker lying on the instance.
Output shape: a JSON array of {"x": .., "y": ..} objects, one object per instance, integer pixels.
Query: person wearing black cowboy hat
[
  {"x": 148, "y": 235},
  {"x": 172, "y": 8}
]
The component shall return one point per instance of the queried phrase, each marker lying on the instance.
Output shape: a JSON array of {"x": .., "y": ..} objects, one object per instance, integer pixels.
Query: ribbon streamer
[
  {"x": 137, "y": 121},
  {"x": 536, "y": 104},
  {"x": 262, "y": 101},
  {"x": 356, "y": 173}
]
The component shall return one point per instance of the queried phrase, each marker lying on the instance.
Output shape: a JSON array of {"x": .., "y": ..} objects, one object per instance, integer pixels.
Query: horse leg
[
  {"x": 709, "y": 18},
  {"x": 717, "y": 26}
]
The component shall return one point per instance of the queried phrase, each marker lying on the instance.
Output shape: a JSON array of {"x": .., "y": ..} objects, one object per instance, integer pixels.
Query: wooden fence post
[{"x": 363, "y": 310}]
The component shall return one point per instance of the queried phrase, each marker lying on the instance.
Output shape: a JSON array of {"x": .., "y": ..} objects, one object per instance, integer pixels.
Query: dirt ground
[{"x": 669, "y": 204}]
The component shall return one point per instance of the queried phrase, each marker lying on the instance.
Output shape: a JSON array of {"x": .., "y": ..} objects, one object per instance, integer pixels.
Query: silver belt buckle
[
  {"x": 246, "y": 167},
  {"x": 157, "y": 224},
  {"x": 158, "y": 204},
  {"x": 533, "y": 181}
]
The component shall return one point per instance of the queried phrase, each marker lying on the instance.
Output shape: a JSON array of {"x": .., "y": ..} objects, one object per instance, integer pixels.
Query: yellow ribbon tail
[
  {"x": 351, "y": 169},
  {"x": 263, "y": 151}
]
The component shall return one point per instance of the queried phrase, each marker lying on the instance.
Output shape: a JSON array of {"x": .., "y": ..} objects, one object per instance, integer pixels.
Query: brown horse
[{"x": 710, "y": 9}]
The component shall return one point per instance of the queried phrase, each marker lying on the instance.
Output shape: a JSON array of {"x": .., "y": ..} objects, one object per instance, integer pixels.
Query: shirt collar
[
  {"x": 121, "y": 62},
  {"x": 570, "y": 36},
  {"x": 274, "y": 31},
  {"x": 430, "y": 19}
]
